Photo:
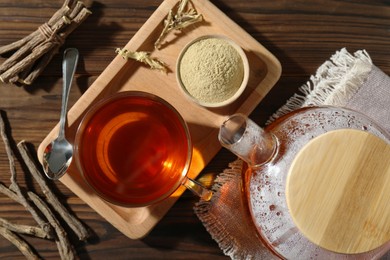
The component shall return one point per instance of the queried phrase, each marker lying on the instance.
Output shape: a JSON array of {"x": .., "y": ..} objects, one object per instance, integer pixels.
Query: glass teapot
[{"x": 317, "y": 183}]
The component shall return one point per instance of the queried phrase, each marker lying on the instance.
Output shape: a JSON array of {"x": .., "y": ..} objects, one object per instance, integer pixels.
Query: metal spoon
[{"x": 58, "y": 154}]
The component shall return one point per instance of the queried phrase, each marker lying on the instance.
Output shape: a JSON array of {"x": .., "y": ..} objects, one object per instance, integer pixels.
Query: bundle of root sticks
[
  {"x": 33, "y": 53},
  {"x": 45, "y": 209}
]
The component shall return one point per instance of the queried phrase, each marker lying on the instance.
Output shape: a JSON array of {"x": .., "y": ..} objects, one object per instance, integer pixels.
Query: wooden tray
[{"x": 123, "y": 75}]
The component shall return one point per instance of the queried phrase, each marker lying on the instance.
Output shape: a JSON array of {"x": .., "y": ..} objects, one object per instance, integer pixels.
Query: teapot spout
[{"x": 247, "y": 140}]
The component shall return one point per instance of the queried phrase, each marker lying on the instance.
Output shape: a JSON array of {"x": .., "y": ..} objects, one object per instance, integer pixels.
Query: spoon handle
[{"x": 69, "y": 64}]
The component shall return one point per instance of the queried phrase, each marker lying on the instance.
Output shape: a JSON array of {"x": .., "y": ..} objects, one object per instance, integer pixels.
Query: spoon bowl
[
  {"x": 57, "y": 157},
  {"x": 58, "y": 154}
]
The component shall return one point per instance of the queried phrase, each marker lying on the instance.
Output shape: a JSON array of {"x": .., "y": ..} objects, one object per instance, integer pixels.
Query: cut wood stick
[
  {"x": 42, "y": 63},
  {"x": 65, "y": 248},
  {"x": 47, "y": 229},
  {"x": 10, "y": 194},
  {"x": 23, "y": 247},
  {"x": 18, "y": 67},
  {"x": 14, "y": 185},
  {"x": 31, "y": 41},
  {"x": 22, "y": 42},
  {"x": 18, "y": 44},
  {"x": 20, "y": 53},
  {"x": 34, "y": 52},
  {"x": 23, "y": 229},
  {"x": 28, "y": 77},
  {"x": 76, "y": 225},
  {"x": 63, "y": 10}
]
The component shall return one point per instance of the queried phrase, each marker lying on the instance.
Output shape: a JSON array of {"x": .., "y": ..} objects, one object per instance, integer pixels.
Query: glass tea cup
[{"x": 134, "y": 149}]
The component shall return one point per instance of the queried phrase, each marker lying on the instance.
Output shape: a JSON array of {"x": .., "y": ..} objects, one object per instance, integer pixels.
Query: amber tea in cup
[{"x": 133, "y": 149}]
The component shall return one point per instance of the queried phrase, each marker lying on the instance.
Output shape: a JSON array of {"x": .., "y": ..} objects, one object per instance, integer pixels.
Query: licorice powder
[{"x": 211, "y": 70}]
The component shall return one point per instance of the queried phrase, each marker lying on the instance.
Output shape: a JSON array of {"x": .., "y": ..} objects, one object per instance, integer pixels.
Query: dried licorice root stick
[
  {"x": 12, "y": 195},
  {"x": 14, "y": 185},
  {"x": 65, "y": 248},
  {"x": 41, "y": 64},
  {"x": 24, "y": 47},
  {"x": 23, "y": 229},
  {"x": 77, "y": 15},
  {"x": 26, "y": 56},
  {"x": 19, "y": 67},
  {"x": 34, "y": 52},
  {"x": 22, "y": 42},
  {"x": 23, "y": 247},
  {"x": 52, "y": 199}
]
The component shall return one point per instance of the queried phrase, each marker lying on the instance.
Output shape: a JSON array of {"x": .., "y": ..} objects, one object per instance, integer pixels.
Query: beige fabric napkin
[{"x": 347, "y": 80}]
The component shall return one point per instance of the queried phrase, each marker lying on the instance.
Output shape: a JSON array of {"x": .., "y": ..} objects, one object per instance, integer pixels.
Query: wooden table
[{"x": 301, "y": 34}]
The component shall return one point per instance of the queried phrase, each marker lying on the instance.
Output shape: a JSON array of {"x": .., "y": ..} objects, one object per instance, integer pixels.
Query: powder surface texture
[{"x": 211, "y": 70}]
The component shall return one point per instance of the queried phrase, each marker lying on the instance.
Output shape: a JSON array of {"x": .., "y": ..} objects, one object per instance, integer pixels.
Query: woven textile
[{"x": 345, "y": 80}]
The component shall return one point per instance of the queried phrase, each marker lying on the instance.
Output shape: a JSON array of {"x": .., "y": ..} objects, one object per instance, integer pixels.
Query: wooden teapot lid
[{"x": 338, "y": 191}]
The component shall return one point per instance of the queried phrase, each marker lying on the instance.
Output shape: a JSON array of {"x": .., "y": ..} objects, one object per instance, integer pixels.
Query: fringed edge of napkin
[
  {"x": 335, "y": 82},
  {"x": 212, "y": 224}
]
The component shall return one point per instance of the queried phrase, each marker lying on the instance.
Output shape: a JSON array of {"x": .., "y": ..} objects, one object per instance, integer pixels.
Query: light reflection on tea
[{"x": 133, "y": 150}]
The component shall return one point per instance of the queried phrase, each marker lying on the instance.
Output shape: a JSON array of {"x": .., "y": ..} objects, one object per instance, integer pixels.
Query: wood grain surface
[
  {"x": 341, "y": 203},
  {"x": 301, "y": 34},
  {"x": 203, "y": 123}
]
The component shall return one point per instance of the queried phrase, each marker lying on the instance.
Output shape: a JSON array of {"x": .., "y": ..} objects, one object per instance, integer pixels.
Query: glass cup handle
[{"x": 198, "y": 189}]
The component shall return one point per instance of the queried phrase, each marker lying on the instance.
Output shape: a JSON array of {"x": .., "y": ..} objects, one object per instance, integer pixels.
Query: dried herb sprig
[
  {"x": 144, "y": 57},
  {"x": 185, "y": 16}
]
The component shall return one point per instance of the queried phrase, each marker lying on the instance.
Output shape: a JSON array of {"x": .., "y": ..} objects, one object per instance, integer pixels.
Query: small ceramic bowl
[{"x": 238, "y": 88}]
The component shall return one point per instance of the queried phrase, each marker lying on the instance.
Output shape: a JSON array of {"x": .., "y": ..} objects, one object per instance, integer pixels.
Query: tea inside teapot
[{"x": 271, "y": 180}]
